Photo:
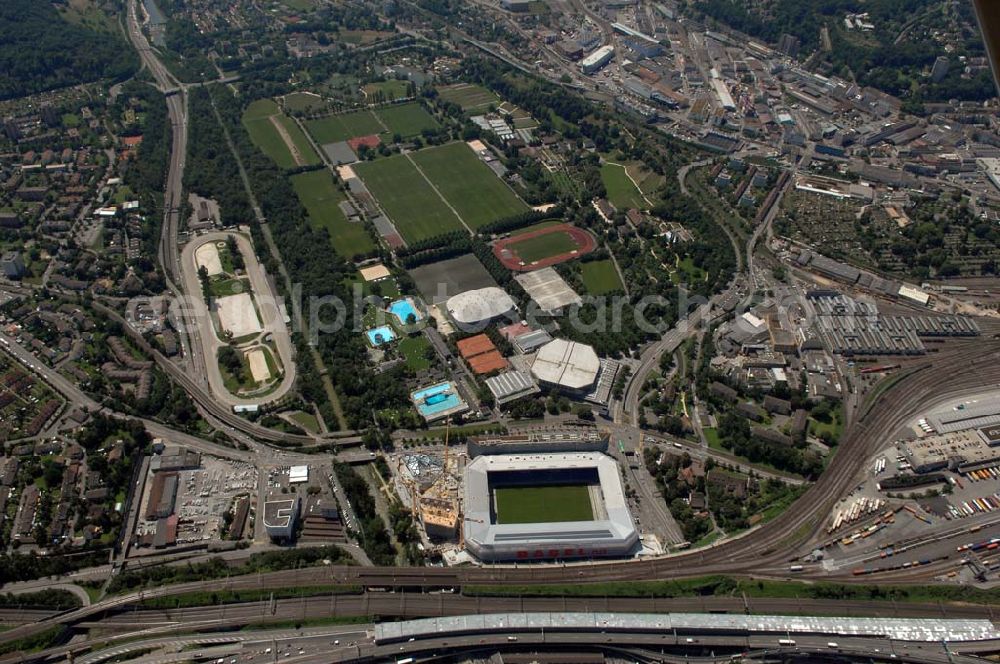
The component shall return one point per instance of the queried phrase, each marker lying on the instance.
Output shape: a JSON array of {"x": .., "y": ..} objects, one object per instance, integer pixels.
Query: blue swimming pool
[
  {"x": 378, "y": 336},
  {"x": 437, "y": 400},
  {"x": 402, "y": 309}
]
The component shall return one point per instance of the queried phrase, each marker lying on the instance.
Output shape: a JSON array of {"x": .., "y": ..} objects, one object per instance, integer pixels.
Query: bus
[{"x": 621, "y": 447}]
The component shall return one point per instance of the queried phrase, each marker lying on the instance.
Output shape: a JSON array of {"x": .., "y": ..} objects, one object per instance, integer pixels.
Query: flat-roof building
[
  {"x": 597, "y": 59},
  {"x": 539, "y": 442},
  {"x": 162, "y": 495},
  {"x": 511, "y": 385},
  {"x": 566, "y": 365},
  {"x": 280, "y": 515}
]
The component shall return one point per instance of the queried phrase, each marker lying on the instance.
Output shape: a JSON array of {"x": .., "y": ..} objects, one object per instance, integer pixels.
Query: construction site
[{"x": 430, "y": 484}]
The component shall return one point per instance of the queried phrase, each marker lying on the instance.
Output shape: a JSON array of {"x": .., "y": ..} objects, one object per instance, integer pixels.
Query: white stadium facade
[{"x": 611, "y": 532}]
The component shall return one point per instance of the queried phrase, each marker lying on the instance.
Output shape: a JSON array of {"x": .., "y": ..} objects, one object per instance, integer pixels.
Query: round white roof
[{"x": 479, "y": 305}]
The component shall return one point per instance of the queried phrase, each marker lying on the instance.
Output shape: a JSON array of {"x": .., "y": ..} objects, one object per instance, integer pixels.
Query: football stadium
[{"x": 546, "y": 506}]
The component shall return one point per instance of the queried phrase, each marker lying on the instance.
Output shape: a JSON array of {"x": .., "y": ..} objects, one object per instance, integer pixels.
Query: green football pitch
[
  {"x": 538, "y": 247},
  {"x": 543, "y": 504}
]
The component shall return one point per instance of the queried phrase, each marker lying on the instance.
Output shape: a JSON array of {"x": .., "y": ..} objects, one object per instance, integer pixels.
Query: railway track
[{"x": 964, "y": 367}]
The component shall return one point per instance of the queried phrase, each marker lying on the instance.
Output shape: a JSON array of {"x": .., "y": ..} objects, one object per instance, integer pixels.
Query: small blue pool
[
  {"x": 402, "y": 309},
  {"x": 437, "y": 399},
  {"x": 378, "y": 336}
]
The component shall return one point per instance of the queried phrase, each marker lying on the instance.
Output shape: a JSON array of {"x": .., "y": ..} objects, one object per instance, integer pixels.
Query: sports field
[
  {"x": 468, "y": 184},
  {"x": 337, "y": 128},
  {"x": 406, "y": 119},
  {"x": 278, "y": 135},
  {"x": 621, "y": 191},
  {"x": 391, "y": 89},
  {"x": 414, "y": 207},
  {"x": 543, "y": 504},
  {"x": 304, "y": 101},
  {"x": 469, "y": 97},
  {"x": 543, "y": 245},
  {"x": 320, "y": 197},
  {"x": 538, "y": 247},
  {"x": 600, "y": 277}
]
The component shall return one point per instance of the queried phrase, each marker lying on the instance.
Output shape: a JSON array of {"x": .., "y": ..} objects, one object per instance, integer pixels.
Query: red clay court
[
  {"x": 371, "y": 141},
  {"x": 546, "y": 246}
]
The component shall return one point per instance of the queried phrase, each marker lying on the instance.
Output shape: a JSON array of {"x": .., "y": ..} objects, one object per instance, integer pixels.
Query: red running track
[{"x": 507, "y": 255}]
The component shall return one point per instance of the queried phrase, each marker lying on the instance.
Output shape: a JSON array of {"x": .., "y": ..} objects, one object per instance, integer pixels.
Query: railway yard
[{"x": 726, "y": 409}]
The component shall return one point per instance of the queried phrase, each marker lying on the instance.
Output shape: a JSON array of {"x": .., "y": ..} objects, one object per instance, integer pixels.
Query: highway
[
  {"x": 154, "y": 629},
  {"x": 772, "y": 544}
]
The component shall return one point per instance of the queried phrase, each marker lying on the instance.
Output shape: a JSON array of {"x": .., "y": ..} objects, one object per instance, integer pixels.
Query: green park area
[
  {"x": 320, "y": 196},
  {"x": 407, "y": 120},
  {"x": 622, "y": 192}
]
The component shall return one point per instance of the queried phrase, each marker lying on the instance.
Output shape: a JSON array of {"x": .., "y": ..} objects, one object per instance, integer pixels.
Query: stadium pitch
[{"x": 543, "y": 504}]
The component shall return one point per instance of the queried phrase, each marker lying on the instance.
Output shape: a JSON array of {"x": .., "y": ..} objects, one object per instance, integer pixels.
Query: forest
[{"x": 40, "y": 51}]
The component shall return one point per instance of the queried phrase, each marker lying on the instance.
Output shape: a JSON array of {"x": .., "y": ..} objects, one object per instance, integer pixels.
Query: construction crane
[{"x": 447, "y": 431}]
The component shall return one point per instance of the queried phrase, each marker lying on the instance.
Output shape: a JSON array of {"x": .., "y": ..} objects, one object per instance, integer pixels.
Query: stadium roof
[
  {"x": 568, "y": 364},
  {"x": 477, "y": 306},
  {"x": 611, "y": 533},
  {"x": 511, "y": 385}
]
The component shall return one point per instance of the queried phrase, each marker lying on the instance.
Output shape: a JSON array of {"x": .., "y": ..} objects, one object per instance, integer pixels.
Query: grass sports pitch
[
  {"x": 468, "y": 184},
  {"x": 414, "y": 207},
  {"x": 543, "y": 246},
  {"x": 320, "y": 197},
  {"x": 600, "y": 277},
  {"x": 543, "y": 504},
  {"x": 406, "y": 120},
  {"x": 259, "y": 120}
]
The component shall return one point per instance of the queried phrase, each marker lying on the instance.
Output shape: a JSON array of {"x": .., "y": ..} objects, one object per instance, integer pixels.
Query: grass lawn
[
  {"x": 469, "y": 97},
  {"x": 391, "y": 89},
  {"x": 543, "y": 504},
  {"x": 468, "y": 184},
  {"x": 258, "y": 123},
  {"x": 304, "y": 101},
  {"x": 834, "y": 427},
  {"x": 224, "y": 287},
  {"x": 600, "y": 277},
  {"x": 320, "y": 197},
  {"x": 406, "y": 119},
  {"x": 687, "y": 272},
  {"x": 302, "y": 144},
  {"x": 621, "y": 192},
  {"x": 416, "y": 209},
  {"x": 362, "y": 36},
  {"x": 234, "y": 383},
  {"x": 337, "y": 128},
  {"x": 543, "y": 246},
  {"x": 414, "y": 349},
  {"x": 648, "y": 181},
  {"x": 535, "y": 227},
  {"x": 712, "y": 436},
  {"x": 305, "y": 420}
]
